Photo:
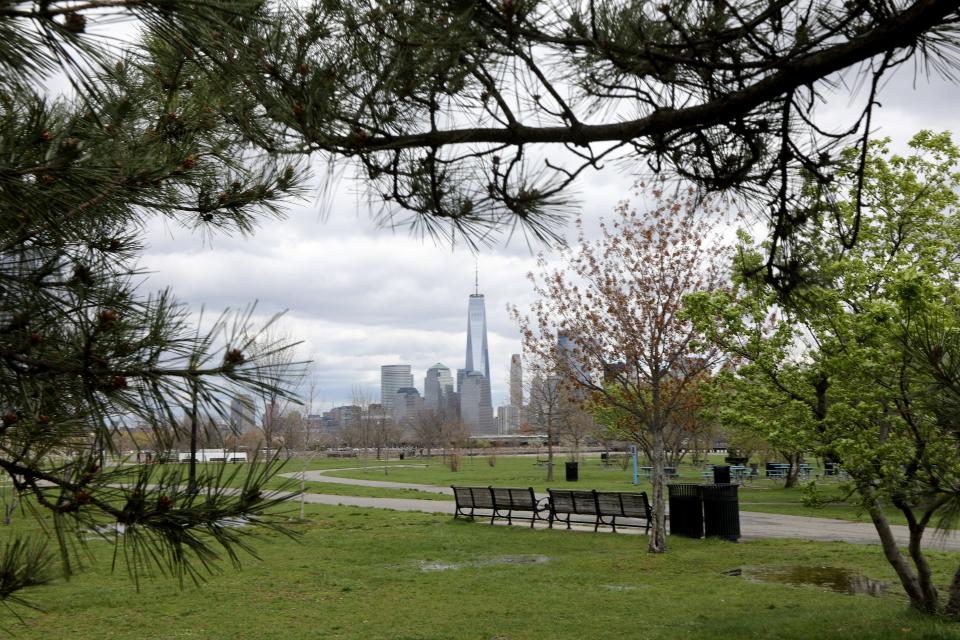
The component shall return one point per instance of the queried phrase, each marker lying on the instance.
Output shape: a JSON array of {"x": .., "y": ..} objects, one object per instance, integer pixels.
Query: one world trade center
[{"x": 476, "y": 408}]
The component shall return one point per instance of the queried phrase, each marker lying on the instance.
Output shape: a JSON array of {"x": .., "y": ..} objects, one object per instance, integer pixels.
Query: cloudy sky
[{"x": 361, "y": 296}]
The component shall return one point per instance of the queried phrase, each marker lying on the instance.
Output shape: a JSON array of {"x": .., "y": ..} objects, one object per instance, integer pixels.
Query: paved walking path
[
  {"x": 319, "y": 476},
  {"x": 753, "y": 525}
]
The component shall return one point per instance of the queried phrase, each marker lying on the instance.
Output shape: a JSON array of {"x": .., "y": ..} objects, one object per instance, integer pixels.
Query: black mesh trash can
[
  {"x": 721, "y": 511},
  {"x": 686, "y": 510},
  {"x": 721, "y": 474},
  {"x": 573, "y": 471}
]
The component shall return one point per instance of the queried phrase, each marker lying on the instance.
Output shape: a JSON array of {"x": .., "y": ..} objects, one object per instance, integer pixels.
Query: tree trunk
[
  {"x": 924, "y": 575},
  {"x": 908, "y": 579},
  {"x": 793, "y": 471},
  {"x": 953, "y": 596},
  {"x": 549, "y": 453},
  {"x": 658, "y": 532}
]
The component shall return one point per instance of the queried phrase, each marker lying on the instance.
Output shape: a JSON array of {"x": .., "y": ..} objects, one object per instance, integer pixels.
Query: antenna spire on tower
[{"x": 476, "y": 277}]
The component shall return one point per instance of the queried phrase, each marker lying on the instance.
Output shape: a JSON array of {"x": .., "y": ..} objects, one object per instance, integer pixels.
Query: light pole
[{"x": 192, "y": 479}]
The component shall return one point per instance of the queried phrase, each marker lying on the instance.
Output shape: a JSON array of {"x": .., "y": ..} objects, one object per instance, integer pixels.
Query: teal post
[{"x": 636, "y": 469}]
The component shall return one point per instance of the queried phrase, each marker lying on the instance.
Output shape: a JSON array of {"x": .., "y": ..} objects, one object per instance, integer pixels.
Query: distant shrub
[{"x": 811, "y": 495}]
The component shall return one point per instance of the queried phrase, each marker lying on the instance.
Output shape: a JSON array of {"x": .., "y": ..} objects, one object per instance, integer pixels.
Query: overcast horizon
[{"x": 362, "y": 296}]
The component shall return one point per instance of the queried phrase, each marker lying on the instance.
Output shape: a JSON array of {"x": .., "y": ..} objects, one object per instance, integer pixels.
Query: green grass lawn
[
  {"x": 370, "y": 470},
  {"x": 369, "y": 573},
  {"x": 762, "y": 495}
]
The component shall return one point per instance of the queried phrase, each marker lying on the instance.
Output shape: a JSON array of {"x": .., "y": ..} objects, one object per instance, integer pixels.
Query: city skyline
[
  {"x": 361, "y": 295},
  {"x": 473, "y": 387}
]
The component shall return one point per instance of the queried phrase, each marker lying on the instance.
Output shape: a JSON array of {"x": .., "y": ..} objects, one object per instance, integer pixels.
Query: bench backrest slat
[
  {"x": 622, "y": 503},
  {"x": 609, "y": 503},
  {"x": 482, "y": 497},
  {"x": 515, "y": 499},
  {"x": 585, "y": 502},
  {"x": 564, "y": 501},
  {"x": 561, "y": 501},
  {"x": 463, "y": 496},
  {"x": 524, "y": 499},
  {"x": 501, "y": 498},
  {"x": 635, "y": 505}
]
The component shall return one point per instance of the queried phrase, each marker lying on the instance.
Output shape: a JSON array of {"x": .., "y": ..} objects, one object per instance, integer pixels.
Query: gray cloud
[{"x": 361, "y": 296}]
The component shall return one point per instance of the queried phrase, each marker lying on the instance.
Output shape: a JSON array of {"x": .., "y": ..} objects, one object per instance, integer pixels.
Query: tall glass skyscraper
[
  {"x": 477, "y": 357},
  {"x": 392, "y": 378},
  {"x": 516, "y": 381},
  {"x": 480, "y": 417},
  {"x": 437, "y": 388}
]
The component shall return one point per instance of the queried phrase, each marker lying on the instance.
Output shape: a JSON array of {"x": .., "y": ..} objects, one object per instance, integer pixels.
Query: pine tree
[
  {"x": 84, "y": 353},
  {"x": 473, "y": 116}
]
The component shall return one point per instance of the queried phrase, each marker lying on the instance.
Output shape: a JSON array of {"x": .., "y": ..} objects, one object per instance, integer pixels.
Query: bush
[{"x": 811, "y": 495}]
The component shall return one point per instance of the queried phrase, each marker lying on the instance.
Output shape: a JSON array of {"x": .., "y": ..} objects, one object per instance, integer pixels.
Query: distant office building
[
  {"x": 243, "y": 414},
  {"x": 478, "y": 358},
  {"x": 471, "y": 401},
  {"x": 375, "y": 412},
  {"x": 567, "y": 352},
  {"x": 322, "y": 425},
  {"x": 537, "y": 391},
  {"x": 344, "y": 417},
  {"x": 516, "y": 381},
  {"x": 508, "y": 420},
  {"x": 407, "y": 405},
  {"x": 437, "y": 388},
  {"x": 572, "y": 357},
  {"x": 477, "y": 388},
  {"x": 392, "y": 378},
  {"x": 316, "y": 426}
]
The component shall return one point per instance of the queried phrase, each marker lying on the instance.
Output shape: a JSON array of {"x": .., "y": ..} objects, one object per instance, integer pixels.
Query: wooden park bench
[
  {"x": 603, "y": 506},
  {"x": 498, "y": 502}
]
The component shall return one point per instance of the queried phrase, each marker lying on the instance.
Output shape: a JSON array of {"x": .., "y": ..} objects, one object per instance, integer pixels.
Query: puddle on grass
[
  {"x": 108, "y": 530},
  {"x": 427, "y": 566},
  {"x": 832, "y": 578}
]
